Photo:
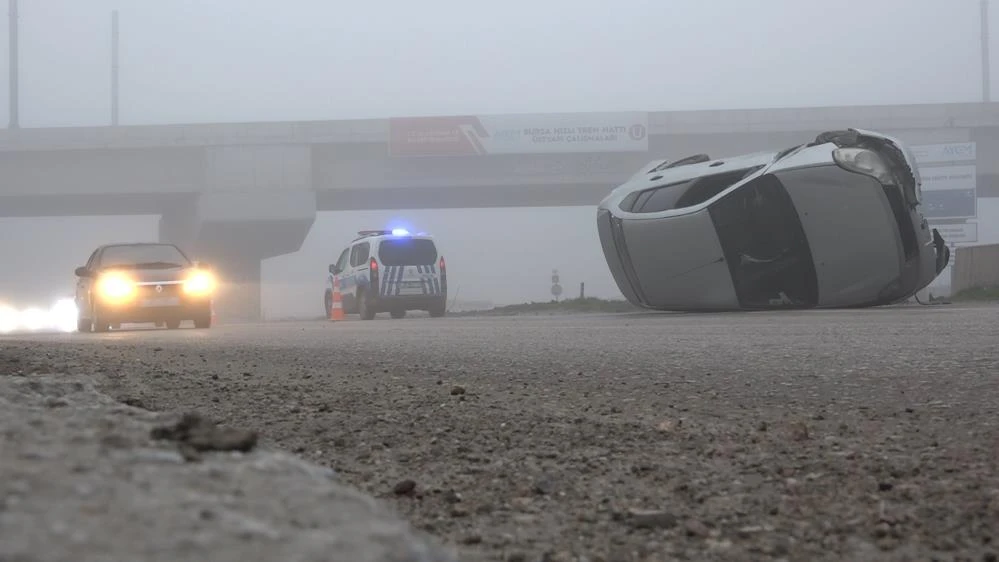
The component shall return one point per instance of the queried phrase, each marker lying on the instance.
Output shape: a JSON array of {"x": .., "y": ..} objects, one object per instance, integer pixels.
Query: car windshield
[
  {"x": 407, "y": 251},
  {"x": 147, "y": 256}
]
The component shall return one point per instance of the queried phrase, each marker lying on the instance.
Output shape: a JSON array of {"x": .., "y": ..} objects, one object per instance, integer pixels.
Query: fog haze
[{"x": 249, "y": 60}]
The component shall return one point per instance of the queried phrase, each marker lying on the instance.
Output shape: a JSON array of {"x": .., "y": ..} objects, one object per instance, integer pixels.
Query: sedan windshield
[{"x": 146, "y": 256}]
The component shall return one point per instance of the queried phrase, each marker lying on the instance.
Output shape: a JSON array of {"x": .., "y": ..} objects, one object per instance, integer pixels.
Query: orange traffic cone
[{"x": 336, "y": 310}]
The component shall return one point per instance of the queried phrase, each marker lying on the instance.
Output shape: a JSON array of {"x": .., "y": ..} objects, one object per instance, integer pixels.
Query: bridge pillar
[
  {"x": 234, "y": 232},
  {"x": 239, "y": 230},
  {"x": 258, "y": 203},
  {"x": 179, "y": 223}
]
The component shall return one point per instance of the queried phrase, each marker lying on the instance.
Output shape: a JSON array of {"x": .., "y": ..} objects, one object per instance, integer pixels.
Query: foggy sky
[{"x": 250, "y": 60}]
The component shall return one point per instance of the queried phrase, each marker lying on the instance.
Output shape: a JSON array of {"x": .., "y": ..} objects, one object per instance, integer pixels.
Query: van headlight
[
  {"x": 863, "y": 161},
  {"x": 115, "y": 287},
  {"x": 199, "y": 284}
]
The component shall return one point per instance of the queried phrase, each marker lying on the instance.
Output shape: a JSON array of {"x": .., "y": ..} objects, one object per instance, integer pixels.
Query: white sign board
[
  {"x": 950, "y": 152},
  {"x": 949, "y": 178},
  {"x": 471, "y": 135},
  {"x": 963, "y": 233}
]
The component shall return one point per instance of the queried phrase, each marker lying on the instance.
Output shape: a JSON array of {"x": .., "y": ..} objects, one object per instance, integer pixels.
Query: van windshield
[{"x": 407, "y": 251}]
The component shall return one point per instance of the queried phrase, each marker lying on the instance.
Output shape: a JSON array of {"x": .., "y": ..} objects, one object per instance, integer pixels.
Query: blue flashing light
[{"x": 400, "y": 232}]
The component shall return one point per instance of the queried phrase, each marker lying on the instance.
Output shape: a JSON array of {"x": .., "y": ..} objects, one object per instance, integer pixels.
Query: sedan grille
[{"x": 169, "y": 290}]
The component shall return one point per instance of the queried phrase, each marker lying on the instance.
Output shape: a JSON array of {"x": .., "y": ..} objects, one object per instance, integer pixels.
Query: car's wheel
[
  {"x": 364, "y": 307},
  {"x": 202, "y": 318},
  {"x": 328, "y": 303},
  {"x": 83, "y": 325},
  {"x": 99, "y": 323},
  {"x": 172, "y": 324},
  {"x": 398, "y": 313},
  {"x": 438, "y": 310}
]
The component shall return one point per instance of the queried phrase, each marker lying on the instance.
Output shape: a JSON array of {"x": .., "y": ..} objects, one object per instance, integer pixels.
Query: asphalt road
[{"x": 841, "y": 435}]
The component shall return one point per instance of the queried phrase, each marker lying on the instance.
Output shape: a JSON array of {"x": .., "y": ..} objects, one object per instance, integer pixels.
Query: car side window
[
  {"x": 341, "y": 264},
  {"x": 353, "y": 256}
]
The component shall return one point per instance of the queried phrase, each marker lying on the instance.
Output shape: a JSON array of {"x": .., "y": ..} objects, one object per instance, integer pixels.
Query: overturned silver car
[{"x": 834, "y": 223}]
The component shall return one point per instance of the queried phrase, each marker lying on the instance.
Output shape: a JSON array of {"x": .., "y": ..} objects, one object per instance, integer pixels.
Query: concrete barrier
[{"x": 975, "y": 266}]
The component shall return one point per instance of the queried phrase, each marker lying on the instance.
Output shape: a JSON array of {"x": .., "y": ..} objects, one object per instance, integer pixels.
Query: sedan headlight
[
  {"x": 9, "y": 319},
  {"x": 115, "y": 287},
  {"x": 200, "y": 283},
  {"x": 33, "y": 319},
  {"x": 64, "y": 314},
  {"x": 863, "y": 161}
]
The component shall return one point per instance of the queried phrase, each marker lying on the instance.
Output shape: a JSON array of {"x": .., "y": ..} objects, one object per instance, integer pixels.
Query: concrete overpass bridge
[{"x": 243, "y": 192}]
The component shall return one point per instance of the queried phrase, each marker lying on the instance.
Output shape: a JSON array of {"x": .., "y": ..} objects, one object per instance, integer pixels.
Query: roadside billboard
[
  {"x": 518, "y": 134},
  {"x": 961, "y": 233},
  {"x": 947, "y": 152},
  {"x": 950, "y": 189},
  {"x": 949, "y": 192}
]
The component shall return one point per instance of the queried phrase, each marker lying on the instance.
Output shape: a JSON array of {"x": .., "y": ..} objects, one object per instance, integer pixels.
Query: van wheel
[
  {"x": 398, "y": 313},
  {"x": 172, "y": 324},
  {"x": 438, "y": 310},
  {"x": 364, "y": 307}
]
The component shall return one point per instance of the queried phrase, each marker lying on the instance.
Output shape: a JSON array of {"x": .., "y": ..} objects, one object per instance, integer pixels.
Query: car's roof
[
  {"x": 379, "y": 237},
  {"x": 120, "y": 244},
  {"x": 103, "y": 247}
]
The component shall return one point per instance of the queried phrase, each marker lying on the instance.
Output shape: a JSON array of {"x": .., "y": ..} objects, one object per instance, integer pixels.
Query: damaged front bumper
[
  {"x": 919, "y": 259},
  {"x": 943, "y": 252}
]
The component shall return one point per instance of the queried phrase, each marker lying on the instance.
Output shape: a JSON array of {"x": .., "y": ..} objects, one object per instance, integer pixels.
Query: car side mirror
[
  {"x": 333, "y": 268},
  {"x": 82, "y": 272}
]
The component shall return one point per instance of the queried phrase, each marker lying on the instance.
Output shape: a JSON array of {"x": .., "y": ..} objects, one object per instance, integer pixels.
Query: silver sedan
[{"x": 832, "y": 223}]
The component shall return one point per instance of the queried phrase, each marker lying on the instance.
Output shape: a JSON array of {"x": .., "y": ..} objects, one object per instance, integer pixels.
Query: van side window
[
  {"x": 341, "y": 264},
  {"x": 359, "y": 254}
]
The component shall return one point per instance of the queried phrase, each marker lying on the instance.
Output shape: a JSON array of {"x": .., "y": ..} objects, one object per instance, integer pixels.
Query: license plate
[
  {"x": 164, "y": 301},
  {"x": 411, "y": 287}
]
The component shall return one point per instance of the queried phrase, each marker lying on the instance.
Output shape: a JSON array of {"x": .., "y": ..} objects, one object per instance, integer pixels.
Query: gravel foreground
[
  {"x": 862, "y": 435},
  {"x": 81, "y": 479}
]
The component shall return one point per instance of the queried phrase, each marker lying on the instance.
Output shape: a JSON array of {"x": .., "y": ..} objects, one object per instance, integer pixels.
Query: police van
[{"x": 389, "y": 271}]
